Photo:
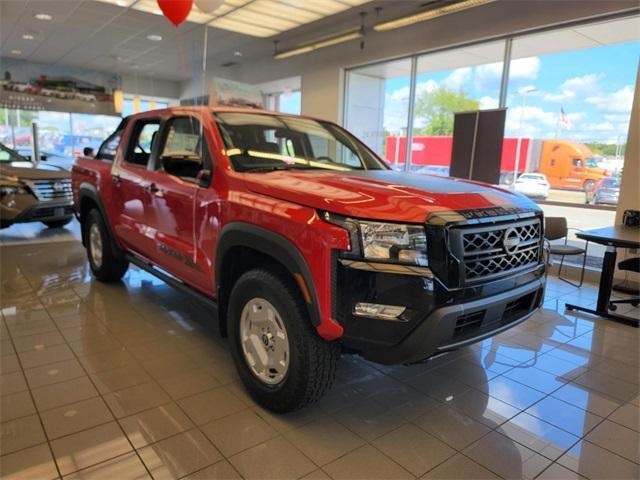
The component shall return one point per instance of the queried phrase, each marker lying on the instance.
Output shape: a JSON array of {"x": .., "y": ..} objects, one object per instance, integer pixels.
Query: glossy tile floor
[{"x": 129, "y": 381}]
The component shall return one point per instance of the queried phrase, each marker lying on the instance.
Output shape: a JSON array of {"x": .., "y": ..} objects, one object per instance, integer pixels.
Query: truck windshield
[
  {"x": 261, "y": 142},
  {"x": 591, "y": 162}
]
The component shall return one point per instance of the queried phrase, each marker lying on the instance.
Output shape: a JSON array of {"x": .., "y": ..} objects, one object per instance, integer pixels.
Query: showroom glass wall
[
  {"x": 571, "y": 85},
  {"x": 62, "y": 135}
]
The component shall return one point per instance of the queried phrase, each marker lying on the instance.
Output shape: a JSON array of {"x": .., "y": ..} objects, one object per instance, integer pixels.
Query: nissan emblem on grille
[
  {"x": 489, "y": 252},
  {"x": 511, "y": 240},
  {"x": 58, "y": 187}
]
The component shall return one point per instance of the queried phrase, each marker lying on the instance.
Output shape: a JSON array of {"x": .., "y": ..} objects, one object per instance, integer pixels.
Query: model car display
[
  {"x": 305, "y": 243},
  {"x": 32, "y": 192}
]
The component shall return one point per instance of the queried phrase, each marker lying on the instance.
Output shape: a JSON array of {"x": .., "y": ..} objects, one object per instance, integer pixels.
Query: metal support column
[
  {"x": 412, "y": 104},
  {"x": 506, "y": 65}
]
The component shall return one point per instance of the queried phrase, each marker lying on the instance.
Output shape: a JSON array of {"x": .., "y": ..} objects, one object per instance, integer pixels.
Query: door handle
[
  {"x": 115, "y": 179},
  {"x": 152, "y": 188}
]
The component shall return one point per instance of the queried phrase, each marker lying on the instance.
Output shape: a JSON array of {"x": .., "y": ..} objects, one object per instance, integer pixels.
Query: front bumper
[
  {"x": 44, "y": 212},
  {"x": 436, "y": 319},
  {"x": 455, "y": 326}
]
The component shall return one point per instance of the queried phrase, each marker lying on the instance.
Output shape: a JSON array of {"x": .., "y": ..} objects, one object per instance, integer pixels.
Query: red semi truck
[
  {"x": 566, "y": 164},
  {"x": 305, "y": 244}
]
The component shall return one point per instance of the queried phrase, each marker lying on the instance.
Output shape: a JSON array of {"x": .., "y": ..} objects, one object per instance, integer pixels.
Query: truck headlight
[
  {"x": 384, "y": 242},
  {"x": 390, "y": 242}
]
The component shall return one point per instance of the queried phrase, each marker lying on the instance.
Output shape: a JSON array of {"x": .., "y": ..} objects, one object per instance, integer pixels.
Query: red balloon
[{"x": 176, "y": 11}]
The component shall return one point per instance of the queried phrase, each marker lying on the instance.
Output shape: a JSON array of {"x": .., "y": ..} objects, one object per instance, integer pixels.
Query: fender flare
[
  {"x": 273, "y": 245},
  {"x": 87, "y": 190}
]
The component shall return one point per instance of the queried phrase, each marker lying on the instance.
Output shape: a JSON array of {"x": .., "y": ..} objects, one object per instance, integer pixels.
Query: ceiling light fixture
[
  {"x": 154, "y": 38},
  {"x": 16, "y": 52},
  {"x": 429, "y": 14},
  {"x": 27, "y": 36},
  {"x": 326, "y": 42},
  {"x": 43, "y": 16}
]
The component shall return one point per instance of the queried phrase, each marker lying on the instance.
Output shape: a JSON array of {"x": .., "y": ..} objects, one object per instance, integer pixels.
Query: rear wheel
[
  {"x": 57, "y": 223},
  {"x": 281, "y": 360},
  {"x": 106, "y": 265}
]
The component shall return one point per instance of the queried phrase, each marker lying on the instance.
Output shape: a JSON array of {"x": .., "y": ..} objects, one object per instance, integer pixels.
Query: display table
[{"x": 618, "y": 236}]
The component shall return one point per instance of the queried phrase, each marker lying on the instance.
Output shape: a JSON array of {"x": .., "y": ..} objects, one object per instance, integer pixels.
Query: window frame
[
  {"x": 155, "y": 163},
  {"x": 136, "y": 130}
]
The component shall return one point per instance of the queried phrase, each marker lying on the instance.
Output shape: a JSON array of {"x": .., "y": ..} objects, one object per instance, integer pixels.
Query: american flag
[{"x": 564, "y": 119}]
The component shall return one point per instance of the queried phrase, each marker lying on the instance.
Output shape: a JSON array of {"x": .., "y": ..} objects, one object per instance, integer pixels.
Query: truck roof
[{"x": 217, "y": 109}]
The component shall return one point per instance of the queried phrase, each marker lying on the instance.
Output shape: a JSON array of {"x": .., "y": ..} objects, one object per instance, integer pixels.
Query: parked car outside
[
  {"x": 33, "y": 192},
  {"x": 534, "y": 185},
  {"x": 607, "y": 192}
]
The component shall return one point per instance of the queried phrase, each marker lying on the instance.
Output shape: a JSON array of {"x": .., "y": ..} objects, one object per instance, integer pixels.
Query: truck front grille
[
  {"x": 491, "y": 251},
  {"x": 49, "y": 190}
]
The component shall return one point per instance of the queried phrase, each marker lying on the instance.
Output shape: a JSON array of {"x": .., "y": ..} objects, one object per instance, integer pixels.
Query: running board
[{"x": 174, "y": 282}]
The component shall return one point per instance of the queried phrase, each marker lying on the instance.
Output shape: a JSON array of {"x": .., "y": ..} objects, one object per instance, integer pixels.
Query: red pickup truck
[{"x": 305, "y": 243}]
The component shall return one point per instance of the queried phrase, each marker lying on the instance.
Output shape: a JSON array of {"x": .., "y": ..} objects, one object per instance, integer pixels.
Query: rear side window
[
  {"x": 142, "y": 142},
  {"x": 109, "y": 147}
]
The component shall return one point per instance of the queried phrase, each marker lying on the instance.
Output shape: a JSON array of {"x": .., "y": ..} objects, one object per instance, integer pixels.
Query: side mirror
[{"x": 204, "y": 178}]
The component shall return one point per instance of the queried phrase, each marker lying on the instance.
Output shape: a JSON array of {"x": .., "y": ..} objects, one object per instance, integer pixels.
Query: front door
[
  {"x": 176, "y": 206},
  {"x": 130, "y": 186}
]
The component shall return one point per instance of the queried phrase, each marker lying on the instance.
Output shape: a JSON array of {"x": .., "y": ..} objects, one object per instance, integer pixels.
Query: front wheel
[
  {"x": 281, "y": 360},
  {"x": 106, "y": 266}
]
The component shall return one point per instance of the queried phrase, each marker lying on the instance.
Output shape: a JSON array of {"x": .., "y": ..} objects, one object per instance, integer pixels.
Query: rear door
[
  {"x": 131, "y": 185},
  {"x": 179, "y": 202}
]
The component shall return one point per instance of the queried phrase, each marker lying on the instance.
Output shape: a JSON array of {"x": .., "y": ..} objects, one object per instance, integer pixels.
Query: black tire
[
  {"x": 312, "y": 360},
  {"x": 57, "y": 223},
  {"x": 113, "y": 265}
]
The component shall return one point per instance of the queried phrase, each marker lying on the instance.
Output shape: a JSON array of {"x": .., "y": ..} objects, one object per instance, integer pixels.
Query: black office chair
[
  {"x": 555, "y": 228},
  {"x": 628, "y": 265}
]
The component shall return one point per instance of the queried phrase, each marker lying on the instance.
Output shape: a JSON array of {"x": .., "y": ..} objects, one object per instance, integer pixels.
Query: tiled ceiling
[
  {"x": 259, "y": 18},
  {"x": 112, "y": 35}
]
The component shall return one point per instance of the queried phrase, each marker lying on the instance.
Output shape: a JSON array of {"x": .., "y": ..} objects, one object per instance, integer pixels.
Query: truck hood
[
  {"x": 383, "y": 194},
  {"x": 29, "y": 171}
]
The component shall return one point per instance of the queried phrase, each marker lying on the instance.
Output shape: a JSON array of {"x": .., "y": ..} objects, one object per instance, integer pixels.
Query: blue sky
[{"x": 594, "y": 87}]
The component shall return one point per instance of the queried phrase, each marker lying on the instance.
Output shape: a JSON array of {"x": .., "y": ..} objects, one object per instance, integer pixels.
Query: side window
[
  {"x": 109, "y": 147},
  {"x": 142, "y": 141},
  {"x": 184, "y": 154}
]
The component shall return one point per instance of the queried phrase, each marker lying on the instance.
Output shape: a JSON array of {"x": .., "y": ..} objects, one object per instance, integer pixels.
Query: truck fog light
[{"x": 380, "y": 312}]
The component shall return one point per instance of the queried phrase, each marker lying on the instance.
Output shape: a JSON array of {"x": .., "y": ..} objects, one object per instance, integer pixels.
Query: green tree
[{"x": 437, "y": 107}]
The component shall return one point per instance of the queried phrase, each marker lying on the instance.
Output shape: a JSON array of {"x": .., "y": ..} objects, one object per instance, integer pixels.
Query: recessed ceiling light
[
  {"x": 27, "y": 36},
  {"x": 154, "y": 38},
  {"x": 43, "y": 16},
  {"x": 16, "y": 52},
  {"x": 237, "y": 53}
]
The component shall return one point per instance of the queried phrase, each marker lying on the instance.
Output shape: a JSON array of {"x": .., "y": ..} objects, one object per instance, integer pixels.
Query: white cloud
[
  {"x": 597, "y": 127},
  {"x": 402, "y": 94},
  {"x": 488, "y": 76},
  {"x": 488, "y": 102},
  {"x": 524, "y": 68},
  {"x": 456, "y": 79},
  {"x": 575, "y": 87},
  {"x": 618, "y": 101}
]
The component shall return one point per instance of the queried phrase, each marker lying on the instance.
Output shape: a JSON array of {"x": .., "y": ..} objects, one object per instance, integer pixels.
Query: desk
[{"x": 618, "y": 236}]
